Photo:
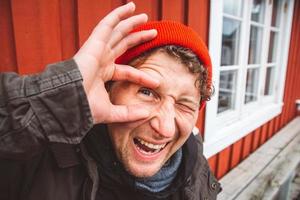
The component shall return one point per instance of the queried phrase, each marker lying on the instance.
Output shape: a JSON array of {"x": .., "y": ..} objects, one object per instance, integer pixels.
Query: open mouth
[{"x": 148, "y": 148}]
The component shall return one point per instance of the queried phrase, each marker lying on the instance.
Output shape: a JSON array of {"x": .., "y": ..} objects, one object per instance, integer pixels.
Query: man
[{"x": 122, "y": 133}]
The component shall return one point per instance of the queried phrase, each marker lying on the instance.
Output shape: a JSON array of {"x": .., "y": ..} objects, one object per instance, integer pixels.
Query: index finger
[
  {"x": 127, "y": 73},
  {"x": 110, "y": 21}
]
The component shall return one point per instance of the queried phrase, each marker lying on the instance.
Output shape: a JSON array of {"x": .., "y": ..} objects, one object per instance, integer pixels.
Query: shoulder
[{"x": 202, "y": 182}]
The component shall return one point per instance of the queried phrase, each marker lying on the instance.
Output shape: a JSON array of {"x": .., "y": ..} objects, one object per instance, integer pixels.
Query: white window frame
[{"x": 222, "y": 130}]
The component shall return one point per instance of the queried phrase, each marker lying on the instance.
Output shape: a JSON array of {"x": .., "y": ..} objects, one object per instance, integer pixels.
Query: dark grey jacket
[{"x": 43, "y": 121}]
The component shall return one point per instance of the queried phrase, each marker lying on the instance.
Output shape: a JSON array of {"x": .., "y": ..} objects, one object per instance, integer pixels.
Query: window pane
[
  {"x": 275, "y": 13},
  {"x": 258, "y": 11},
  {"x": 232, "y": 7},
  {"x": 230, "y": 42},
  {"x": 269, "y": 81},
  {"x": 251, "y": 85},
  {"x": 272, "y": 46},
  {"x": 255, "y": 45},
  {"x": 227, "y": 90}
]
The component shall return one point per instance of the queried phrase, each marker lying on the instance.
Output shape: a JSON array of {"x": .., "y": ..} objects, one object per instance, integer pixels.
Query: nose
[{"x": 163, "y": 121}]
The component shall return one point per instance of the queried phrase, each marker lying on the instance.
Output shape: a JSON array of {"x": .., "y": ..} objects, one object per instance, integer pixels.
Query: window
[{"x": 249, "y": 41}]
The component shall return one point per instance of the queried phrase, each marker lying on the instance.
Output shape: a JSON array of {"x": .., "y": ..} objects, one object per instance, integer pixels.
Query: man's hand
[{"x": 109, "y": 39}]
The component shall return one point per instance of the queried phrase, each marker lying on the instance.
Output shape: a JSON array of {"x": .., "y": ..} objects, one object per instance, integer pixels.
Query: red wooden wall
[{"x": 34, "y": 33}]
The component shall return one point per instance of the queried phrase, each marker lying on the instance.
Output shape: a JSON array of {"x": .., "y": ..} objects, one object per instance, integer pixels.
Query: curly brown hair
[{"x": 189, "y": 59}]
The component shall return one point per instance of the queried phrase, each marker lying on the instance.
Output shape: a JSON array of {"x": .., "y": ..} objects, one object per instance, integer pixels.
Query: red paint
[
  {"x": 7, "y": 43},
  {"x": 173, "y": 10},
  {"x": 255, "y": 141},
  {"x": 69, "y": 28},
  {"x": 271, "y": 128},
  {"x": 276, "y": 128},
  {"x": 90, "y": 13},
  {"x": 36, "y": 32},
  {"x": 151, "y": 8},
  {"x": 223, "y": 162},
  {"x": 212, "y": 161},
  {"x": 247, "y": 142},
  {"x": 263, "y": 136},
  {"x": 200, "y": 122},
  {"x": 236, "y": 152},
  {"x": 198, "y": 17}
]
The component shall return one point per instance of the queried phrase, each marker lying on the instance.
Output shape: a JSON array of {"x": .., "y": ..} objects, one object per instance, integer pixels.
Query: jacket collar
[{"x": 112, "y": 172}]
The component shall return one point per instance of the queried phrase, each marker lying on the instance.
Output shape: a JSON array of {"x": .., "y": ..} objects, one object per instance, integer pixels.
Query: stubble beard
[{"x": 124, "y": 158}]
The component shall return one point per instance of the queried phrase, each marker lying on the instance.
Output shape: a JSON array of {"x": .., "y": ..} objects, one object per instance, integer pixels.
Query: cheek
[
  {"x": 185, "y": 125},
  {"x": 119, "y": 137},
  {"x": 115, "y": 134}
]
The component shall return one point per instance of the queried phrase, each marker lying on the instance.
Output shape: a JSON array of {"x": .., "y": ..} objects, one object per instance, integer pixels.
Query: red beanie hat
[{"x": 170, "y": 33}]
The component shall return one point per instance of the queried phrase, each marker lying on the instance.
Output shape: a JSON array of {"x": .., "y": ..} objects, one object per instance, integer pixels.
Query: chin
[{"x": 142, "y": 171}]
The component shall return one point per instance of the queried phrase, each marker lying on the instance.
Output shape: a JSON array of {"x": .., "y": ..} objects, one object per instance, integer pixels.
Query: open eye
[{"x": 146, "y": 92}]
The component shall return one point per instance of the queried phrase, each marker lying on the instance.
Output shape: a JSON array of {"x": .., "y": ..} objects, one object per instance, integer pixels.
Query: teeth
[
  {"x": 152, "y": 146},
  {"x": 148, "y": 153}
]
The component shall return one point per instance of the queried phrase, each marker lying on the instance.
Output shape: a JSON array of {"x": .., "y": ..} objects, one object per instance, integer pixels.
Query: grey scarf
[{"x": 164, "y": 177}]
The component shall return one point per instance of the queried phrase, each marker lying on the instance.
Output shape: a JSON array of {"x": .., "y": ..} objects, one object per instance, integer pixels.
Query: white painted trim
[
  {"x": 286, "y": 46},
  {"x": 229, "y": 16},
  {"x": 232, "y": 133},
  {"x": 215, "y": 44}
]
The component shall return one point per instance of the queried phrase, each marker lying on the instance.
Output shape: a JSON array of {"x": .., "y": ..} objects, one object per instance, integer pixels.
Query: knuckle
[{"x": 120, "y": 32}]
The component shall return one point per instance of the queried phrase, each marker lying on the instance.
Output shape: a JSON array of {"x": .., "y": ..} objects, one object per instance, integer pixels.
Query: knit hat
[{"x": 170, "y": 33}]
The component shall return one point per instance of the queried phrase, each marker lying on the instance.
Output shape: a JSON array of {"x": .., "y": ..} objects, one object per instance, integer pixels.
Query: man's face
[{"x": 144, "y": 146}]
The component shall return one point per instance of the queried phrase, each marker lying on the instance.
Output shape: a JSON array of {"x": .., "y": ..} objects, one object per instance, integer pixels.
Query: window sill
[{"x": 235, "y": 131}]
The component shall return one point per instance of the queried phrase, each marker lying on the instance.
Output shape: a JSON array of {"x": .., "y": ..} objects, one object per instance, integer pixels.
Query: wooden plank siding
[
  {"x": 8, "y": 61},
  {"x": 34, "y": 33},
  {"x": 236, "y": 153}
]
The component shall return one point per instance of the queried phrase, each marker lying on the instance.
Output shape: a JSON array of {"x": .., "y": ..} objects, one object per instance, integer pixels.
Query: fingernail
[
  {"x": 145, "y": 16},
  {"x": 154, "y": 31},
  {"x": 131, "y": 4}
]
